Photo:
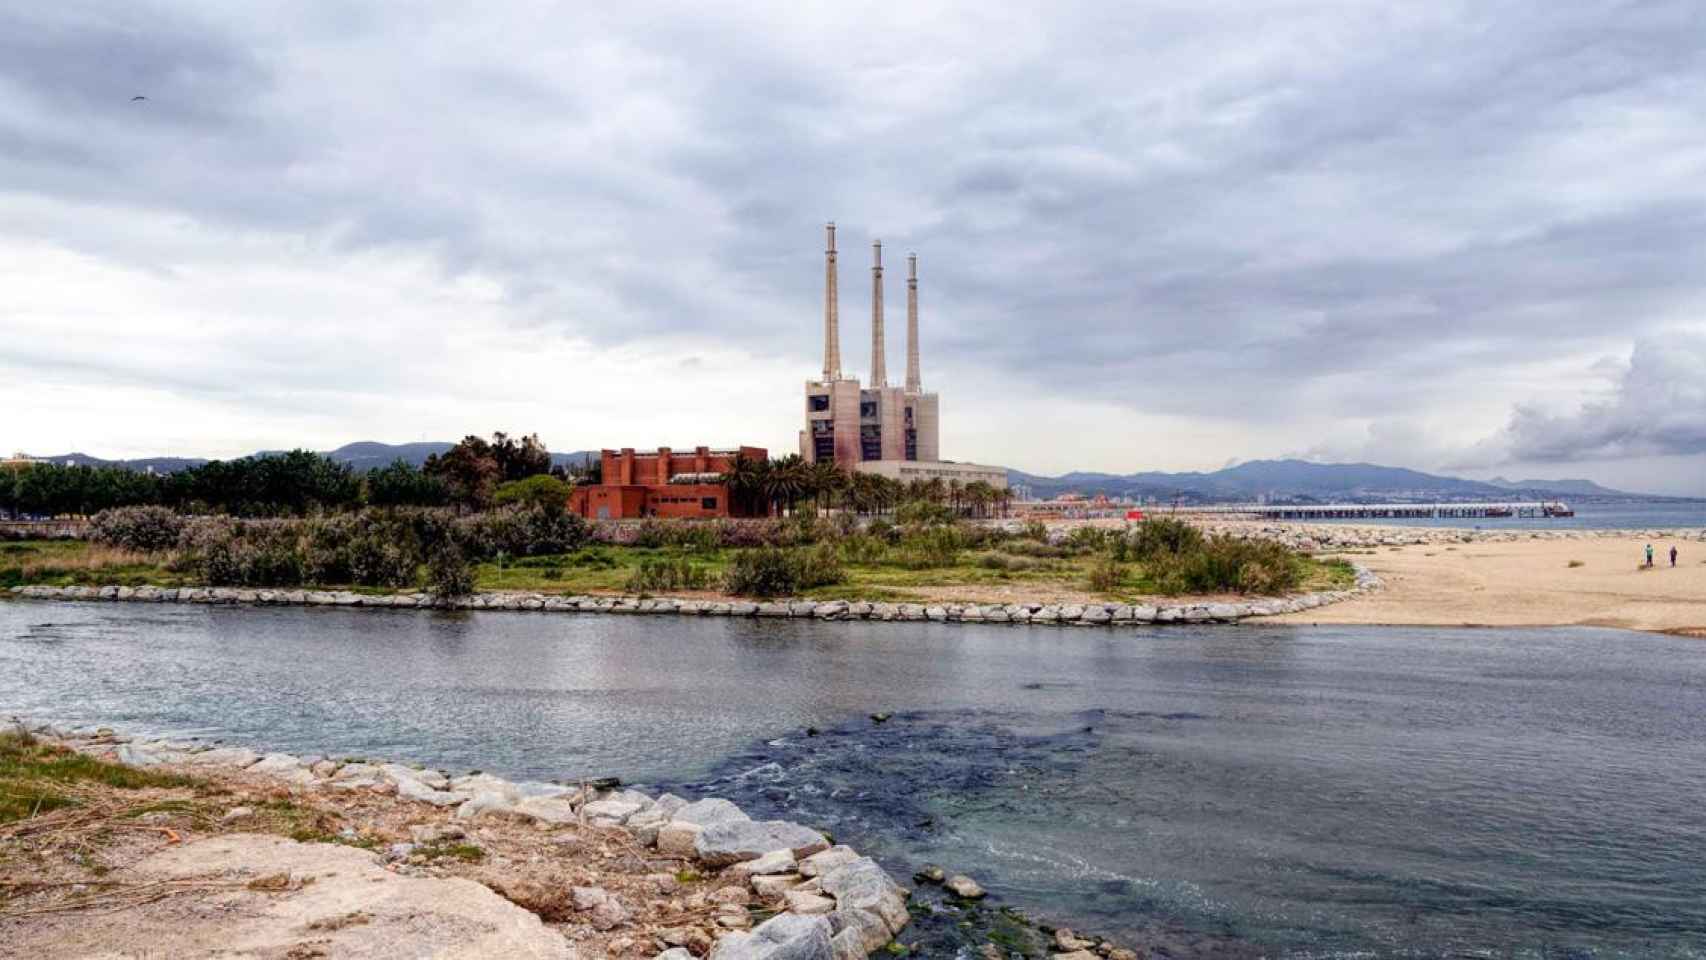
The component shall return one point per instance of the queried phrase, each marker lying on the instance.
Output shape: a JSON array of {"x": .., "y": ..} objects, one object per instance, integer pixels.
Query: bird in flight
[{"x": 137, "y": 97}]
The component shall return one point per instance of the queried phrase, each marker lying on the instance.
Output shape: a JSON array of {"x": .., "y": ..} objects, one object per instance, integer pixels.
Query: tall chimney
[
  {"x": 914, "y": 384},
  {"x": 831, "y": 314},
  {"x": 879, "y": 363}
]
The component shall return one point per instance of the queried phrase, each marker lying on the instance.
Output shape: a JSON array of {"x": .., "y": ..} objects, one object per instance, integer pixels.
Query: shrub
[
  {"x": 929, "y": 548},
  {"x": 652, "y": 576},
  {"x": 521, "y": 532},
  {"x": 1107, "y": 575},
  {"x": 783, "y": 571},
  {"x": 448, "y": 574},
  {"x": 1163, "y": 535},
  {"x": 863, "y": 548},
  {"x": 923, "y": 513},
  {"x": 1224, "y": 563},
  {"x": 539, "y": 490},
  {"x": 137, "y": 528},
  {"x": 1035, "y": 530},
  {"x": 689, "y": 535},
  {"x": 1031, "y": 548}
]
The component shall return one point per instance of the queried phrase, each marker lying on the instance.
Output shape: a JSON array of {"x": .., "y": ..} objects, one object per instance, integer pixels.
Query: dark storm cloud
[{"x": 1183, "y": 208}]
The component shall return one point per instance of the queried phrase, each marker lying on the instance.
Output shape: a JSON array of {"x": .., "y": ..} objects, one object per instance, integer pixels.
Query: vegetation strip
[{"x": 1090, "y": 614}]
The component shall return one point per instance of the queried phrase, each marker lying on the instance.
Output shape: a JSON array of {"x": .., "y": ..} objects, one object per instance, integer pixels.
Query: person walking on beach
[
  {"x": 1649, "y": 554},
  {"x": 1673, "y": 554}
]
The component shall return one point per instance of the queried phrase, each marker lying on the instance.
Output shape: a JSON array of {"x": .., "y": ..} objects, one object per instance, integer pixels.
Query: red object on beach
[{"x": 1134, "y": 514}]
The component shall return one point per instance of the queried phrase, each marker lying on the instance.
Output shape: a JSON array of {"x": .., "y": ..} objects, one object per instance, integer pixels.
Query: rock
[
  {"x": 863, "y": 885},
  {"x": 357, "y": 771},
  {"x": 1077, "y": 955},
  {"x": 678, "y": 839},
  {"x": 930, "y": 873},
  {"x": 808, "y": 904},
  {"x": 1121, "y": 953},
  {"x": 436, "y": 833},
  {"x": 604, "y": 911},
  {"x": 1095, "y": 614},
  {"x": 708, "y": 811},
  {"x": 786, "y": 936},
  {"x": 936, "y": 613},
  {"x": 225, "y": 757},
  {"x": 774, "y": 862},
  {"x": 547, "y": 809},
  {"x": 819, "y": 864},
  {"x": 237, "y": 813},
  {"x": 276, "y": 763},
  {"x": 486, "y": 803},
  {"x": 964, "y": 887},
  {"x": 1066, "y": 941},
  {"x": 398, "y": 772},
  {"x": 675, "y": 953},
  {"x": 398, "y": 851},
  {"x": 614, "y": 810},
  {"x": 721, "y": 844},
  {"x": 416, "y": 790},
  {"x": 774, "y": 885},
  {"x": 858, "y": 933}
]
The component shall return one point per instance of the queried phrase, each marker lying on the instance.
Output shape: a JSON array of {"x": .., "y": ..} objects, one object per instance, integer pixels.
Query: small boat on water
[
  {"x": 1500, "y": 512},
  {"x": 1559, "y": 509}
]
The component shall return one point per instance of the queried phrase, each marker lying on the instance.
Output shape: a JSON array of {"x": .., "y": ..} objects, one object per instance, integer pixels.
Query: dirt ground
[
  {"x": 1598, "y": 581},
  {"x": 213, "y": 870}
]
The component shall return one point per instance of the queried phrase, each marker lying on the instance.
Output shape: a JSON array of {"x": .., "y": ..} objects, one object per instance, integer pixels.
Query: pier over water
[{"x": 1390, "y": 511}]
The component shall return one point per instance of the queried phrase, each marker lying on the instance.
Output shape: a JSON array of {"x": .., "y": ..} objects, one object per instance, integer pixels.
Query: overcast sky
[{"x": 1467, "y": 237}]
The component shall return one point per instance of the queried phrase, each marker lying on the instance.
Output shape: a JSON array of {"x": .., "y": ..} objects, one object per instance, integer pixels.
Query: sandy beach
[{"x": 1531, "y": 583}]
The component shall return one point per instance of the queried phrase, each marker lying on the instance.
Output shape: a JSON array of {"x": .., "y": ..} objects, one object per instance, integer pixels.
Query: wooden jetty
[{"x": 1387, "y": 511}]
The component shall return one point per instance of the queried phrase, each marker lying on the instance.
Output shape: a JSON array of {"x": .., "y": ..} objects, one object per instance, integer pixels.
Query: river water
[{"x": 1287, "y": 791}]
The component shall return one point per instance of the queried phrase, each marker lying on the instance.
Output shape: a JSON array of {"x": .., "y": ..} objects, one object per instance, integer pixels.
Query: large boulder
[
  {"x": 864, "y": 886},
  {"x": 721, "y": 844},
  {"x": 821, "y": 863},
  {"x": 415, "y": 790},
  {"x": 787, "y": 936}
]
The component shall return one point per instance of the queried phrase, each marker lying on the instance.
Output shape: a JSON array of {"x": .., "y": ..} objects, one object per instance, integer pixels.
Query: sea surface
[
  {"x": 1206, "y": 791},
  {"x": 1590, "y": 515}
]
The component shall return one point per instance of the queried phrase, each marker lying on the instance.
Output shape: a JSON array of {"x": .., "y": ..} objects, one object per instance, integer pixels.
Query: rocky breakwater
[
  {"x": 1045, "y": 614},
  {"x": 816, "y": 901}
]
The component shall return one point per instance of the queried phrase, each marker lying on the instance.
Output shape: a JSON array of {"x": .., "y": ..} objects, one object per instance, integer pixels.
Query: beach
[{"x": 1589, "y": 580}]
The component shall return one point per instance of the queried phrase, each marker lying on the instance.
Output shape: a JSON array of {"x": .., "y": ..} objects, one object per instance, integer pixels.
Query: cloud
[
  {"x": 1657, "y": 409},
  {"x": 1209, "y": 231}
]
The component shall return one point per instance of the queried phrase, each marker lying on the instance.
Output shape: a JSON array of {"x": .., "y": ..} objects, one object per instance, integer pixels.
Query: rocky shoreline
[
  {"x": 1328, "y": 537},
  {"x": 825, "y": 901},
  {"x": 1047, "y": 614}
]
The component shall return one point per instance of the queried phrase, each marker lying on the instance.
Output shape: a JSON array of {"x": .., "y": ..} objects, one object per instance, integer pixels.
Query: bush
[
  {"x": 1163, "y": 535},
  {"x": 539, "y": 490},
  {"x": 146, "y": 529},
  {"x": 693, "y": 536},
  {"x": 929, "y": 548},
  {"x": 863, "y": 548},
  {"x": 448, "y": 574},
  {"x": 521, "y": 532},
  {"x": 923, "y": 513},
  {"x": 1107, "y": 575},
  {"x": 1035, "y": 530},
  {"x": 1227, "y": 564},
  {"x": 652, "y": 576},
  {"x": 783, "y": 571}
]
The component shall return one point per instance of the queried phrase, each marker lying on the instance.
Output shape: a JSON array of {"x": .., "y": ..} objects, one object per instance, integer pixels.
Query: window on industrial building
[
  {"x": 868, "y": 409},
  {"x": 708, "y": 503},
  {"x": 818, "y": 402}
]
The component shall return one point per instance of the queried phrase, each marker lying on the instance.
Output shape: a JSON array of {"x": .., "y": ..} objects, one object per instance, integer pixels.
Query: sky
[{"x": 1459, "y": 237}]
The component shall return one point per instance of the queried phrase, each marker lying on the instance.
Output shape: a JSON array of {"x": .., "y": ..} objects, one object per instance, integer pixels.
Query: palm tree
[
  {"x": 956, "y": 493},
  {"x": 788, "y": 480},
  {"x": 827, "y": 480},
  {"x": 978, "y": 496},
  {"x": 746, "y": 483}
]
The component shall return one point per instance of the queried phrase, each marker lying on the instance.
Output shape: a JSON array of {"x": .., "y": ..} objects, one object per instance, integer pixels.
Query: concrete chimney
[
  {"x": 831, "y": 313},
  {"x": 914, "y": 384},
  {"x": 879, "y": 363}
]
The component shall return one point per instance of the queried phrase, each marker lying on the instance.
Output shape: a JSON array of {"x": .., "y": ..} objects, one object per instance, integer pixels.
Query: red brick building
[{"x": 663, "y": 483}]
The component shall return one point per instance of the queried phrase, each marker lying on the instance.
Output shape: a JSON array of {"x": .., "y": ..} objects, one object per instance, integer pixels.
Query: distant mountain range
[
  {"x": 361, "y": 456},
  {"x": 1303, "y": 480}
]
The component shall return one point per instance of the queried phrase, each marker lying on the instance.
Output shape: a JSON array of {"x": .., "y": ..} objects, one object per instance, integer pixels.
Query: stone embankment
[
  {"x": 1048, "y": 614},
  {"x": 827, "y": 901}
]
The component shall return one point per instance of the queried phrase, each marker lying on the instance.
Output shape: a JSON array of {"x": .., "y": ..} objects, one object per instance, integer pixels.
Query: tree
[
  {"x": 787, "y": 480},
  {"x": 828, "y": 481},
  {"x": 748, "y": 484},
  {"x": 401, "y": 485},
  {"x": 469, "y": 472},
  {"x": 518, "y": 460},
  {"x": 539, "y": 490}
]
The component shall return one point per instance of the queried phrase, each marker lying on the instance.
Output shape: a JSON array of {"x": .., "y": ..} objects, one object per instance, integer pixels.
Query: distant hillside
[
  {"x": 362, "y": 455},
  {"x": 1299, "y": 480}
]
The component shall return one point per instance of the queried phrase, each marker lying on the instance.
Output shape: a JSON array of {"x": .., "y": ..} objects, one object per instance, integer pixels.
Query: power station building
[{"x": 860, "y": 427}]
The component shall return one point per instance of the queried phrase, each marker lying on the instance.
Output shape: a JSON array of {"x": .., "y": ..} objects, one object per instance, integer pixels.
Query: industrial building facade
[
  {"x": 854, "y": 425},
  {"x": 663, "y": 483}
]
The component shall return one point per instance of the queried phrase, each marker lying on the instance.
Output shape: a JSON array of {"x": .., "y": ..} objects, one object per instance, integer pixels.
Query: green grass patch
[
  {"x": 465, "y": 852},
  {"x": 36, "y": 777}
]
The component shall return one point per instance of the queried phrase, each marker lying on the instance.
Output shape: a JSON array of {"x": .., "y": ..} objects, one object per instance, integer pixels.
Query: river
[{"x": 1287, "y": 791}]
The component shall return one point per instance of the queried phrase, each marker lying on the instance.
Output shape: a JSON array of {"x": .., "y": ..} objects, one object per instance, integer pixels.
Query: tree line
[{"x": 473, "y": 475}]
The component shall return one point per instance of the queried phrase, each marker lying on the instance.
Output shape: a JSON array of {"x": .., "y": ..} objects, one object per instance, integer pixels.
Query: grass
[
  {"x": 36, "y": 777},
  {"x": 73, "y": 563},
  {"x": 891, "y": 576},
  {"x": 465, "y": 852}
]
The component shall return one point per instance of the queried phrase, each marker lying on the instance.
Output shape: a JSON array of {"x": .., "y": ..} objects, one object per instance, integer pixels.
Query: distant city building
[
  {"x": 18, "y": 461},
  {"x": 854, "y": 426},
  {"x": 663, "y": 483}
]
